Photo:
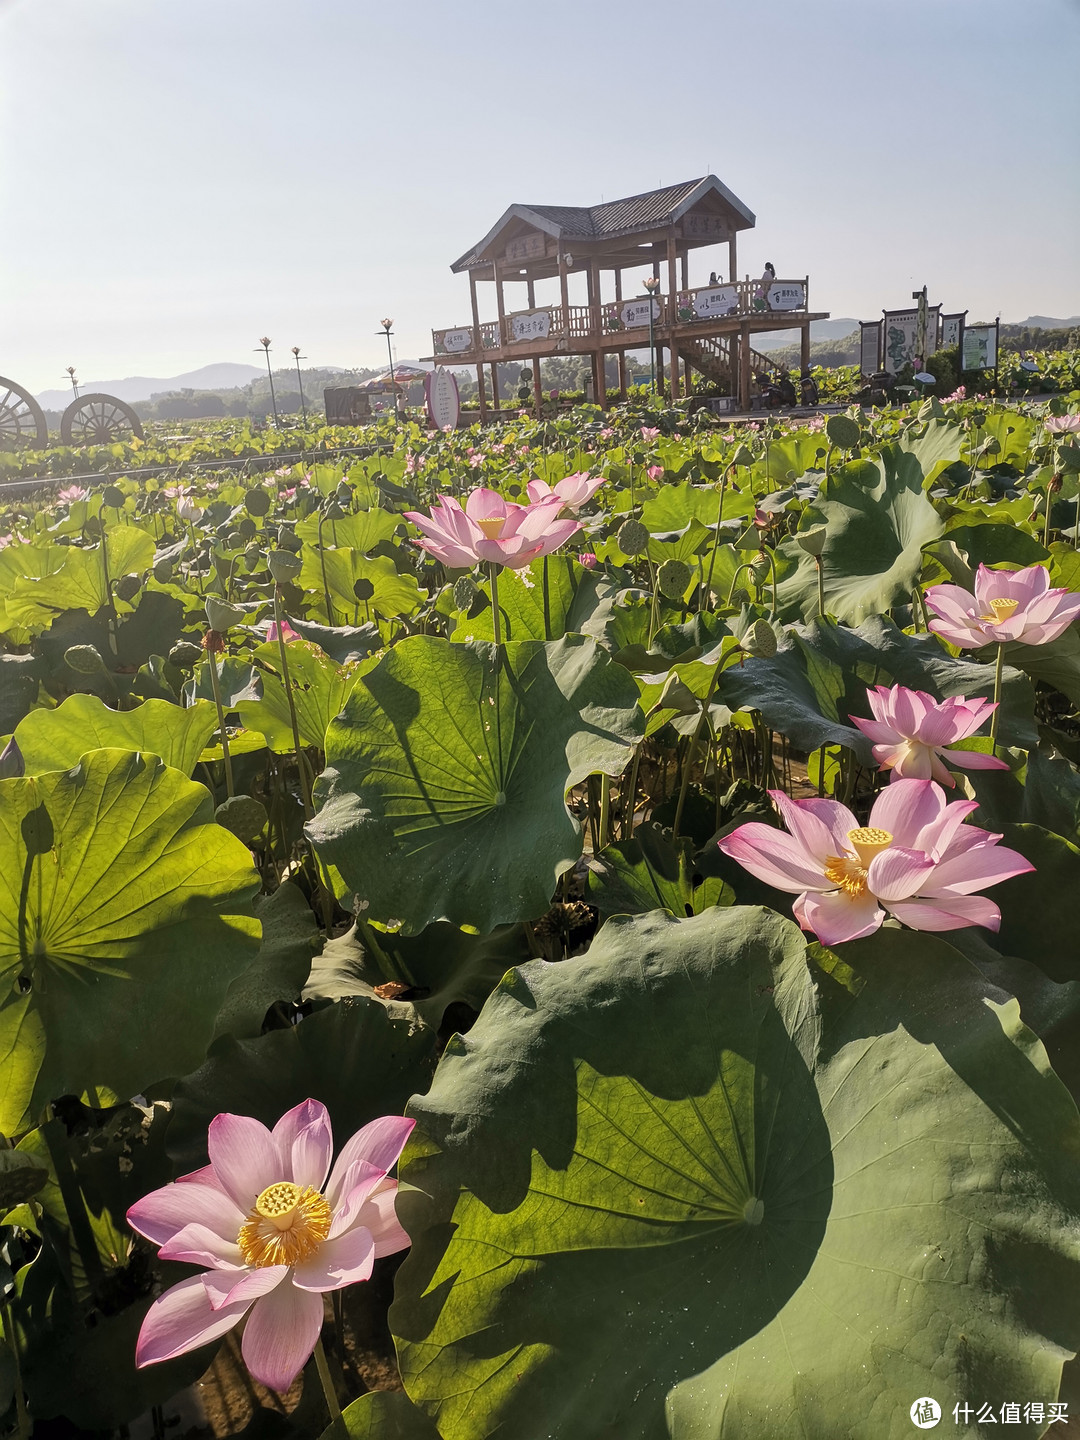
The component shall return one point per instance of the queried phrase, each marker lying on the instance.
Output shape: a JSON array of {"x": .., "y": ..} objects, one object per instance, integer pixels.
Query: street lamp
[
  {"x": 265, "y": 343},
  {"x": 300, "y": 383},
  {"x": 387, "y": 331},
  {"x": 70, "y": 373},
  {"x": 652, "y": 285}
]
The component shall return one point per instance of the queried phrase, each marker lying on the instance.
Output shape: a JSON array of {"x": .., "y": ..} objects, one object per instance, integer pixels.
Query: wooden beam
[
  {"x": 495, "y": 385},
  {"x": 565, "y": 294},
  {"x": 478, "y": 341},
  {"x": 744, "y": 366},
  {"x": 499, "y": 301},
  {"x": 804, "y": 349},
  {"x": 480, "y": 390},
  {"x": 594, "y": 295},
  {"x": 673, "y": 287},
  {"x": 733, "y": 259},
  {"x": 532, "y": 293},
  {"x": 622, "y": 373},
  {"x": 538, "y": 393}
]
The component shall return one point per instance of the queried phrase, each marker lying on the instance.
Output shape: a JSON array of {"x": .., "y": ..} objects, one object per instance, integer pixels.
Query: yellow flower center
[
  {"x": 287, "y": 1225},
  {"x": 492, "y": 528},
  {"x": 1000, "y": 610},
  {"x": 849, "y": 872}
]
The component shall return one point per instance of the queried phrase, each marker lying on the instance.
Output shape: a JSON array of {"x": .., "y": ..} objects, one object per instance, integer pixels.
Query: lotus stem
[
  {"x": 279, "y": 616},
  {"x": 605, "y": 810},
  {"x": 493, "y": 571},
  {"x": 699, "y": 730},
  {"x": 214, "y": 685},
  {"x": 547, "y": 603},
  {"x": 716, "y": 540},
  {"x": 998, "y": 667},
  {"x": 820, "y": 587},
  {"x": 631, "y": 807},
  {"x": 326, "y": 1379},
  {"x": 21, "y": 1417}
]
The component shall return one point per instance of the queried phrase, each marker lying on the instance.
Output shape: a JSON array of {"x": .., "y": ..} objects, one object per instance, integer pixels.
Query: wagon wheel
[
  {"x": 22, "y": 420},
  {"x": 99, "y": 420}
]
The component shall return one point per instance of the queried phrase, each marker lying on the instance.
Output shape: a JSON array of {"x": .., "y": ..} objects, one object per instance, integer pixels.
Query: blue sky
[{"x": 183, "y": 176}]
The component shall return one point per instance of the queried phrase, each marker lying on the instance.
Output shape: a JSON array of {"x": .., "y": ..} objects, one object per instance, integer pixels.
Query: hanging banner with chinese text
[
  {"x": 455, "y": 342},
  {"x": 717, "y": 300},
  {"x": 533, "y": 325},
  {"x": 786, "y": 295}
]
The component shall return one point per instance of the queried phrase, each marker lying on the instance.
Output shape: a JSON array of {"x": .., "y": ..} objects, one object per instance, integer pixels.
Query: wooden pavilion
[{"x": 706, "y": 327}]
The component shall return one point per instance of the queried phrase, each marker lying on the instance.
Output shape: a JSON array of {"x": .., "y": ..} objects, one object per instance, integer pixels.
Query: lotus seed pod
[
  {"x": 287, "y": 541},
  {"x": 759, "y": 570},
  {"x": 465, "y": 592},
  {"x": 813, "y": 539},
  {"x": 633, "y": 538},
  {"x": 127, "y": 587},
  {"x": 12, "y": 764},
  {"x": 243, "y": 816},
  {"x": 760, "y": 640},
  {"x": 246, "y": 528},
  {"x": 344, "y": 492},
  {"x": 672, "y": 579},
  {"x": 84, "y": 660},
  {"x": 221, "y": 615},
  {"x": 257, "y": 501},
  {"x": 283, "y": 565},
  {"x": 253, "y": 557},
  {"x": 184, "y": 655},
  {"x": 978, "y": 418},
  {"x": 113, "y": 496},
  {"x": 363, "y": 589},
  {"x": 92, "y": 525},
  {"x": 843, "y": 431},
  {"x": 743, "y": 456}
]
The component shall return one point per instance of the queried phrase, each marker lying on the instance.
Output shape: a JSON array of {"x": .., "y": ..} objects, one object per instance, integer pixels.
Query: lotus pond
[{"x": 591, "y": 900}]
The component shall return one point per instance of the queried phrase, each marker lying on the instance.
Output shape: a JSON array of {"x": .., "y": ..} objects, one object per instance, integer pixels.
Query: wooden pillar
[
  {"x": 804, "y": 349},
  {"x": 564, "y": 292},
  {"x": 600, "y": 380},
  {"x": 538, "y": 392},
  {"x": 618, "y": 282},
  {"x": 673, "y": 305},
  {"x": 744, "y": 366},
  {"x": 480, "y": 390},
  {"x": 499, "y": 302},
  {"x": 477, "y": 342},
  {"x": 733, "y": 259},
  {"x": 495, "y": 385},
  {"x": 684, "y": 267},
  {"x": 532, "y": 292}
]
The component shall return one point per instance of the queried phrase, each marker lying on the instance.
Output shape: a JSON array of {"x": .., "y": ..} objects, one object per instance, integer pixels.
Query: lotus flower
[
  {"x": 273, "y": 1233},
  {"x": 1007, "y": 605},
  {"x": 655, "y": 472},
  {"x": 187, "y": 510},
  {"x": 588, "y": 560},
  {"x": 650, "y": 432},
  {"x": 1063, "y": 424},
  {"x": 283, "y": 631},
  {"x": 491, "y": 528},
  {"x": 915, "y": 860},
  {"x": 70, "y": 493},
  {"x": 910, "y": 730},
  {"x": 573, "y": 490}
]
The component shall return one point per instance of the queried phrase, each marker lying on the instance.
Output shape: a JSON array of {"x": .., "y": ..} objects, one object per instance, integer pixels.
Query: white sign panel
[
  {"x": 902, "y": 337},
  {"x": 636, "y": 312},
  {"x": 786, "y": 295},
  {"x": 950, "y": 330},
  {"x": 718, "y": 300},
  {"x": 443, "y": 402},
  {"x": 536, "y": 325},
  {"x": 980, "y": 347},
  {"x": 869, "y": 346},
  {"x": 456, "y": 341}
]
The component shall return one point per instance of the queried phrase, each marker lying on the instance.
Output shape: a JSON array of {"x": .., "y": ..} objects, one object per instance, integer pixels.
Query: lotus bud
[
  {"x": 243, "y": 816},
  {"x": 284, "y": 566},
  {"x": 588, "y": 560},
  {"x": 363, "y": 589},
  {"x": 760, "y": 640},
  {"x": 187, "y": 510},
  {"x": 465, "y": 592},
  {"x": 672, "y": 579},
  {"x": 633, "y": 538},
  {"x": 843, "y": 431},
  {"x": 12, "y": 764},
  {"x": 127, "y": 587},
  {"x": 221, "y": 615},
  {"x": 84, "y": 660},
  {"x": 184, "y": 654},
  {"x": 812, "y": 541}
]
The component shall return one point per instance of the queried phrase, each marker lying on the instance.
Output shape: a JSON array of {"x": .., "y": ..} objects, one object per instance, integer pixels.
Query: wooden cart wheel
[
  {"x": 99, "y": 420},
  {"x": 22, "y": 420}
]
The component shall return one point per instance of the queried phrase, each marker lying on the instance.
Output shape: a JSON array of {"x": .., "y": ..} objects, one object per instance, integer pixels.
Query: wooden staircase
[{"x": 712, "y": 355}]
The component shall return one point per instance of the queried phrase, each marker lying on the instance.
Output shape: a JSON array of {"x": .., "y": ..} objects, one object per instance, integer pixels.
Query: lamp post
[
  {"x": 300, "y": 383},
  {"x": 70, "y": 373},
  {"x": 265, "y": 343},
  {"x": 652, "y": 284},
  {"x": 387, "y": 331}
]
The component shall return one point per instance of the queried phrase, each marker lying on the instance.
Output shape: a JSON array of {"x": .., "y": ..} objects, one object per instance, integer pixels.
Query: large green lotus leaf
[
  {"x": 650, "y": 872},
  {"x": 819, "y": 675},
  {"x": 440, "y": 967},
  {"x": 1056, "y": 663},
  {"x": 572, "y": 599},
  {"x": 318, "y": 685},
  {"x": 1037, "y": 920},
  {"x": 355, "y": 1057},
  {"x": 687, "y": 1186},
  {"x": 280, "y": 969},
  {"x": 444, "y": 793},
  {"x": 362, "y": 530},
  {"x": 80, "y": 583},
  {"x": 382, "y": 1415},
  {"x": 878, "y": 519},
  {"x": 674, "y": 506},
  {"x": 990, "y": 543},
  {"x": 55, "y": 739},
  {"x": 124, "y": 913},
  {"x": 21, "y": 560},
  {"x": 336, "y": 572}
]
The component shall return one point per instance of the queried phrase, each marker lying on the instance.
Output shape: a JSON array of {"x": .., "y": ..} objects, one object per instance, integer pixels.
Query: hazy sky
[{"x": 179, "y": 177}]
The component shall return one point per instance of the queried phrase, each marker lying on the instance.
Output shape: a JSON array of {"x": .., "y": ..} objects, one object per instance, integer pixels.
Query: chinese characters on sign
[
  {"x": 951, "y": 328},
  {"x": 456, "y": 341},
  {"x": 636, "y": 312},
  {"x": 443, "y": 404},
  {"x": 704, "y": 225},
  {"x": 980, "y": 347},
  {"x": 786, "y": 295},
  {"x": 534, "y": 325},
  {"x": 869, "y": 346},
  {"x": 525, "y": 247},
  {"x": 902, "y": 337},
  {"x": 718, "y": 300}
]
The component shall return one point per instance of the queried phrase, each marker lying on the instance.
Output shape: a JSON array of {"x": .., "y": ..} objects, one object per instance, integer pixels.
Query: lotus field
[{"x": 594, "y": 900}]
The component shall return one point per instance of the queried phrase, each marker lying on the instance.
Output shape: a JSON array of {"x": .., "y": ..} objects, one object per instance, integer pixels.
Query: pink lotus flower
[
  {"x": 491, "y": 528},
  {"x": 273, "y": 1232},
  {"x": 1063, "y": 424},
  {"x": 284, "y": 630},
  {"x": 910, "y": 730},
  {"x": 70, "y": 493},
  {"x": 655, "y": 472},
  {"x": 1007, "y": 605},
  {"x": 915, "y": 860},
  {"x": 650, "y": 432},
  {"x": 573, "y": 490},
  {"x": 588, "y": 560}
]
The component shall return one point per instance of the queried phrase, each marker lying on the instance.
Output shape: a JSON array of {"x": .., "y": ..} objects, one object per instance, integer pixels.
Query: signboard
[
  {"x": 717, "y": 300},
  {"x": 443, "y": 402},
  {"x": 901, "y": 346},
  {"x": 636, "y": 312},
  {"x": 952, "y": 328},
  {"x": 713, "y": 225},
  {"x": 786, "y": 295},
  {"x": 980, "y": 347},
  {"x": 455, "y": 342},
  {"x": 869, "y": 346},
  {"x": 533, "y": 325},
  {"x": 525, "y": 247}
]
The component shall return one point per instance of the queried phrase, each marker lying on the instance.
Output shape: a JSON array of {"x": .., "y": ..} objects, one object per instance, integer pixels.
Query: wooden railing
[{"x": 736, "y": 300}]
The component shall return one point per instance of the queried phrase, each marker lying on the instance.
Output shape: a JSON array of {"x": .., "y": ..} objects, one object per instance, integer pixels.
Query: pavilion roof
[{"x": 613, "y": 219}]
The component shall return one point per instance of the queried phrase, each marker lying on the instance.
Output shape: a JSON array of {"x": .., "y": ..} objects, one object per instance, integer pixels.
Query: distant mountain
[
  {"x": 819, "y": 330},
  {"x": 224, "y": 376},
  {"x": 1044, "y": 322}
]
